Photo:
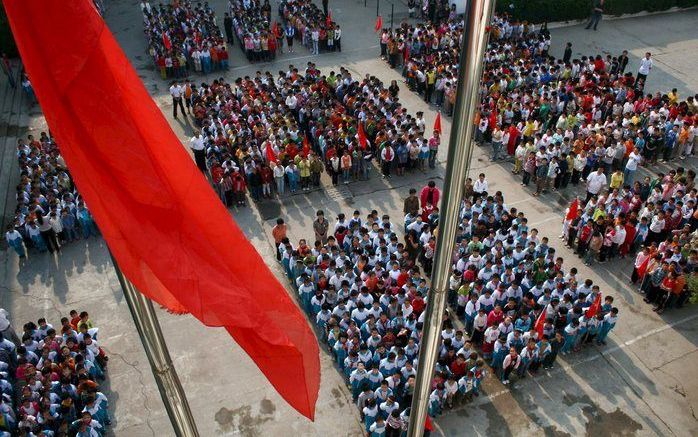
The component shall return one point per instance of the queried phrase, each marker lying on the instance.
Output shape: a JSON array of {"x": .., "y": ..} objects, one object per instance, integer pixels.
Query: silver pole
[
  {"x": 165, "y": 374},
  {"x": 477, "y": 18}
]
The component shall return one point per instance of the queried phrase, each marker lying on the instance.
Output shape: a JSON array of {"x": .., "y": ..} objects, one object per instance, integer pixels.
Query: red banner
[{"x": 171, "y": 235}]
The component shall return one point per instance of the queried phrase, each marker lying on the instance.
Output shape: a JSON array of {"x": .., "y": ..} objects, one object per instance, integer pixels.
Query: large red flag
[
  {"x": 379, "y": 24},
  {"x": 171, "y": 235},
  {"x": 540, "y": 322},
  {"x": 437, "y": 122},
  {"x": 595, "y": 307},
  {"x": 362, "y": 136},
  {"x": 573, "y": 209}
]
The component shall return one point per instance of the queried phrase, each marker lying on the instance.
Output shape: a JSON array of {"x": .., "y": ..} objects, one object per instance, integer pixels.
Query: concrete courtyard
[{"x": 645, "y": 382}]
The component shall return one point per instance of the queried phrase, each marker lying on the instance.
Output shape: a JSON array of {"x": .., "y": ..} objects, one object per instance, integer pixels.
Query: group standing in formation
[
  {"x": 277, "y": 133},
  {"x": 49, "y": 378},
  {"x": 50, "y": 212},
  {"x": 183, "y": 38},
  {"x": 515, "y": 305}
]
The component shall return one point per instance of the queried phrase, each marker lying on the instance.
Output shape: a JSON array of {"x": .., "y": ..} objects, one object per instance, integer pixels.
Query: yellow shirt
[{"x": 616, "y": 180}]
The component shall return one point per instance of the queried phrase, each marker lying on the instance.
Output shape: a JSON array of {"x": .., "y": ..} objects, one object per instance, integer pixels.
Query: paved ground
[{"x": 643, "y": 383}]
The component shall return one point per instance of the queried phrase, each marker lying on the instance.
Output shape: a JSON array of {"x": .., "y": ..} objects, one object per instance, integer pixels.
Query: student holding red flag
[
  {"x": 572, "y": 213},
  {"x": 115, "y": 158},
  {"x": 540, "y": 322},
  {"x": 363, "y": 141},
  {"x": 595, "y": 307},
  {"x": 437, "y": 122},
  {"x": 640, "y": 266}
]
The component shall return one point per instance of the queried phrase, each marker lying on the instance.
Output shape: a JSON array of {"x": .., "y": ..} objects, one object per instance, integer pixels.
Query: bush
[{"x": 539, "y": 11}]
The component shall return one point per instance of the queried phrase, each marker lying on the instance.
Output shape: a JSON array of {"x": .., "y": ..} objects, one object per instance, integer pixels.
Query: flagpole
[
  {"x": 477, "y": 18},
  {"x": 164, "y": 372}
]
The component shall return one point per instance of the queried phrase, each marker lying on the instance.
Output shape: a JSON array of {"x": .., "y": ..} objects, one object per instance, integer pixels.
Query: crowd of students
[
  {"x": 49, "y": 379},
  {"x": 250, "y": 21},
  {"x": 314, "y": 28},
  {"x": 584, "y": 113},
  {"x": 50, "y": 212},
  {"x": 515, "y": 305},
  {"x": 429, "y": 53},
  {"x": 183, "y": 37},
  {"x": 656, "y": 217},
  {"x": 272, "y": 134}
]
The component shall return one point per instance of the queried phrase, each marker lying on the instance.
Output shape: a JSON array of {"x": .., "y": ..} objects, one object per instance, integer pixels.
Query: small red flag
[
  {"x": 573, "y": 209},
  {"x": 172, "y": 236},
  {"x": 362, "y": 136},
  {"x": 540, "y": 322},
  {"x": 642, "y": 270},
  {"x": 595, "y": 307},
  {"x": 166, "y": 41},
  {"x": 328, "y": 19},
  {"x": 306, "y": 146},
  {"x": 437, "y": 122},
  {"x": 271, "y": 156},
  {"x": 379, "y": 24}
]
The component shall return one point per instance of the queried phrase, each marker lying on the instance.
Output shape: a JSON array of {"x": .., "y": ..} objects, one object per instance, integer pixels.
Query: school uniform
[
  {"x": 609, "y": 322},
  {"x": 570, "y": 334},
  {"x": 356, "y": 379}
]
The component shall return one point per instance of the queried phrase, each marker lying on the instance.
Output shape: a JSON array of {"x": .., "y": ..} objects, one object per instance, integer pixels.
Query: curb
[{"x": 560, "y": 24}]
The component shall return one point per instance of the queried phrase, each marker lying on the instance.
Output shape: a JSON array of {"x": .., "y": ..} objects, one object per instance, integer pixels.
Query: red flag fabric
[
  {"x": 595, "y": 307},
  {"x": 437, "y": 122},
  {"x": 166, "y": 41},
  {"x": 379, "y": 24},
  {"x": 540, "y": 323},
  {"x": 171, "y": 235},
  {"x": 271, "y": 156},
  {"x": 573, "y": 209},
  {"x": 642, "y": 270},
  {"x": 328, "y": 19},
  {"x": 362, "y": 136},
  {"x": 306, "y": 146}
]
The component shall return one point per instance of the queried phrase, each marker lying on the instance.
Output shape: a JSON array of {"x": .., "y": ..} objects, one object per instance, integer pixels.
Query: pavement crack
[
  {"x": 134, "y": 365},
  {"x": 674, "y": 359},
  {"x": 637, "y": 393}
]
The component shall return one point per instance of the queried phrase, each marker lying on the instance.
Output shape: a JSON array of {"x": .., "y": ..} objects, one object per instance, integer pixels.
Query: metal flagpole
[
  {"x": 165, "y": 374},
  {"x": 474, "y": 39}
]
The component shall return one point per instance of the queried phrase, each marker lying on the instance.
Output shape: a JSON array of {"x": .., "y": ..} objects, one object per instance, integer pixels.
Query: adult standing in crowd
[
  {"x": 196, "y": 143},
  {"x": 646, "y": 65}
]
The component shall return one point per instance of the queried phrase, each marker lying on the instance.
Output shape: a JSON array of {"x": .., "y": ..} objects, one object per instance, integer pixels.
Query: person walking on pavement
[{"x": 596, "y": 12}]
